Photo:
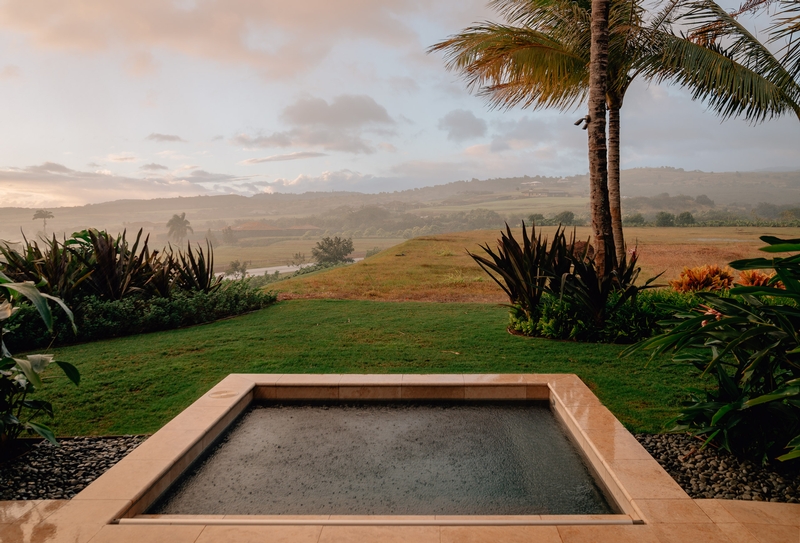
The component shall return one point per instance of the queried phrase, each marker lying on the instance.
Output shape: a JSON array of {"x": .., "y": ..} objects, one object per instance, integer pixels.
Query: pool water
[{"x": 487, "y": 458}]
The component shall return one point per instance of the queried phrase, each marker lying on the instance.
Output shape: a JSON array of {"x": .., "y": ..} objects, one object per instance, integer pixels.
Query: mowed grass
[
  {"x": 437, "y": 268},
  {"x": 135, "y": 385}
]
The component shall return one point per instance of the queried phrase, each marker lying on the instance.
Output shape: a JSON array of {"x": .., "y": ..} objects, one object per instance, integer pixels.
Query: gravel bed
[
  {"x": 58, "y": 473},
  {"x": 53, "y": 473},
  {"x": 711, "y": 473}
]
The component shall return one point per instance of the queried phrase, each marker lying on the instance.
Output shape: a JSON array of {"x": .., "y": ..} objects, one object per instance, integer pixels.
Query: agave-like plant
[
  {"x": 525, "y": 271},
  {"x": 195, "y": 271},
  {"x": 119, "y": 269}
]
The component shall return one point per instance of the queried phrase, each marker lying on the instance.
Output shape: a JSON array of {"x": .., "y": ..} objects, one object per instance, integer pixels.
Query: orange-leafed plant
[
  {"x": 707, "y": 278},
  {"x": 757, "y": 278}
]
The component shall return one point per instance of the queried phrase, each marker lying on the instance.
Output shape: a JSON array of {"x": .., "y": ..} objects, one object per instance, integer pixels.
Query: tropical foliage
[
  {"x": 557, "y": 291},
  {"x": 749, "y": 344},
  {"x": 21, "y": 377},
  {"x": 708, "y": 277},
  {"x": 117, "y": 287}
]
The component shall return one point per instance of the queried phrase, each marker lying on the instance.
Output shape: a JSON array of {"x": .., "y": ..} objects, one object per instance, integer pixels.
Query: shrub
[
  {"x": 332, "y": 250},
  {"x": 703, "y": 278},
  {"x": 637, "y": 219},
  {"x": 628, "y": 323},
  {"x": 97, "y": 318},
  {"x": 749, "y": 345},
  {"x": 684, "y": 219},
  {"x": 665, "y": 219},
  {"x": 373, "y": 252}
]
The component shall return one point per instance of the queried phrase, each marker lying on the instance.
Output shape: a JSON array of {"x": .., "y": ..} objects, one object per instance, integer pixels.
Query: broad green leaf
[
  {"x": 43, "y": 431},
  {"x": 70, "y": 371},
  {"x": 29, "y": 290},
  {"x": 781, "y": 248}
]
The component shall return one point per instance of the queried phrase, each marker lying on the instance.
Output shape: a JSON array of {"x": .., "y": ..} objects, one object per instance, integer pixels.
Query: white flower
[
  {"x": 21, "y": 380},
  {"x": 6, "y": 310},
  {"x": 39, "y": 361}
]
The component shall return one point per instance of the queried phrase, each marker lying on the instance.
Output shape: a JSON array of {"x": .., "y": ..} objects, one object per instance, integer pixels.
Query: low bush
[
  {"x": 97, "y": 318},
  {"x": 635, "y": 320},
  {"x": 703, "y": 278}
]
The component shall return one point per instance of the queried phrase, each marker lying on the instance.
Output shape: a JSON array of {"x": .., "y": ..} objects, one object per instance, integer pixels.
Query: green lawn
[{"x": 136, "y": 384}]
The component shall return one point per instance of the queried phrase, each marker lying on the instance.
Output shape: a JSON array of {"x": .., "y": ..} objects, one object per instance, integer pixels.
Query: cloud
[
  {"x": 51, "y": 184},
  {"x": 10, "y": 72},
  {"x": 122, "y": 157},
  {"x": 345, "y": 111},
  {"x": 164, "y": 137},
  {"x": 152, "y": 167},
  {"x": 289, "y": 156},
  {"x": 141, "y": 64},
  {"x": 462, "y": 125},
  {"x": 335, "y": 126},
  {"x": 277, "y": 38}
]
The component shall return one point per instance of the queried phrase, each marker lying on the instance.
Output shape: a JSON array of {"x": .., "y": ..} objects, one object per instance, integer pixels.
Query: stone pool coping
[{"x": 653, "y": 507}]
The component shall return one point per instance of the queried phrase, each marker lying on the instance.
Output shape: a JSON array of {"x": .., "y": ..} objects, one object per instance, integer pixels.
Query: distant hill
[{"x": 510, "y": 197}]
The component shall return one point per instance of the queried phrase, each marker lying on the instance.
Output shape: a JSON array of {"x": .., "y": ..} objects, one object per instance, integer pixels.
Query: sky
[{"x": 157, "y": 98}]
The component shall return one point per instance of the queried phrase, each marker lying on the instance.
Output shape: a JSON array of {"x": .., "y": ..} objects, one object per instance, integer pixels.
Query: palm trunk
[
  {"x": 613, "y": 177},
  {"x": 598, "y": 165}
]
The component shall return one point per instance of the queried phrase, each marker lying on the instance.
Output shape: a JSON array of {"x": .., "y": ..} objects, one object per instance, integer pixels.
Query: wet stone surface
[
  {"x": 710, "y": 473},
  {"x": 391, "y": 459},
  {"x": 58, "y": 473}
]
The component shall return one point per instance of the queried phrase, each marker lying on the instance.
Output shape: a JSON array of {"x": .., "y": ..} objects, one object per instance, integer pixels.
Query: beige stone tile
[
  {"x": 127, "y": 480},
  {"x": 11, "y": 511},
  {"x": 262, "y": 379},
  {"x": 89, "y": 512},
  {"x": 645, "y": 479},
  {"x": 497, "y": 534},
  {"x": 527, "y": 518},
  {"x": 749, "y": 512},
  {"x": 683, "y": 511},
  {"x": 683, "y": 533},
  {"x": 574, "y": 395},
  {"x": 369, "y": 392},
  {"x": 736, "y": 533},
  {"x": 609, "y": 534},
  {"x": 197, "y": 417},
  {"x": 595, "y": 417},
  {"x": 433, "y": 379},
  {"x": 260, "y": 534},
  {"x": 432, "y": 392},
  {"x": 616, "y": 445},
  {"x": 379, "y": 534},
  {"x": 321, "y": 392},
  {"x": 584, "y": 518},
  {"x": 169, "y": 444},
  {"x": 264, "y": 392},
  {"x": 716, "y": 511},
  {"x": 126, "y": 533},
  {"x": 309, "y": 379},
  {"x": 537, "y": 392},
  {"x": 546, "y": 378},
  {"x": 494, "y": 379},
  {"x": 363, "y": 379},
  {"x": 278, "y": 517},
  {"x": 501, "y": 392},
  {"x": 774, "y": 533},
  {"x": 384, "y": 517}
]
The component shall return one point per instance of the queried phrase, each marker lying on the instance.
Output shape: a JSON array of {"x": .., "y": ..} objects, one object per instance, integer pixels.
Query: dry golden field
[{"x": 438, "y": 269}]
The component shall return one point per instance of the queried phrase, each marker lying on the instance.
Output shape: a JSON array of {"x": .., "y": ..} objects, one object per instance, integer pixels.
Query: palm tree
[
  {"x": 727, "y": 66},
  {"x": 178, "y": 227},
  {"x": 44, "y": 215},
  {"x": 542, "y": 56}
]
